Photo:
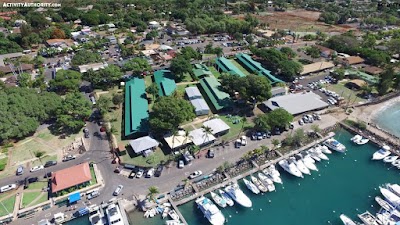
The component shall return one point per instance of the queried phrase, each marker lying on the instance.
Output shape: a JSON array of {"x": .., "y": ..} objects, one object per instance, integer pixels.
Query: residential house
[
  {"x": 144, "y": 145},
  {"x": 326, "y": 52},
  {"x": 92, "y": 66},
  {"x": 352, "y": 60}
]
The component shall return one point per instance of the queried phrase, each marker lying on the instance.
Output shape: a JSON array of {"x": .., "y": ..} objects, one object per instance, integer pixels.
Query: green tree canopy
[
  {"x": 137, "y": 66},
  {"x": 104, "y": 78},
  {"x": 85, "y": 57},
  {"x": 104, "y": 104},
  {"x": 386, "y": 81},
  {"x": 276, "y": 118},
  {"x": 66, "y": 81},
  {"x": 179, "y": 66}
]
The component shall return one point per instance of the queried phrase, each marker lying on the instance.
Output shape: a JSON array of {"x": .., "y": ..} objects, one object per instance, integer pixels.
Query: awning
[{"x": 74, "y": 197}]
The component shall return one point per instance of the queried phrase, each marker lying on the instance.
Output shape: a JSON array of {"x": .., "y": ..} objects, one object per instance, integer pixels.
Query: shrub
[{"x": 3, "y": 163}]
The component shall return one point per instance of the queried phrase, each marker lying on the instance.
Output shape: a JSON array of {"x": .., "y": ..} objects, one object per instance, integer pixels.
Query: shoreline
[{"x": 369, "y": 112}]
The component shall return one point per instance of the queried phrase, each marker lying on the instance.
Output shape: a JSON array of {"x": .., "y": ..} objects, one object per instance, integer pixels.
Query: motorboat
[
  {"x": 390, "y": 158},
  {"x": 95, "y": 218},
  {"x": 253, "y": 188},
  {"x": 218, "y": 200},
  {"x": 290, "y": 168},
  {"x": 172, "y": 213},
  {"x": 333, "y": 144},
  {"x": 367, "y": 218},
  {"x": 362, "y": 141},
  {"x": 210, "y": 211},
  {"x": 226, "y": 197},
  {"x": 300, "y": 165},
  {"x": 165, "y": 212},
  {"x": 150, "y": 213},
  {"x": 381, "y": 153},
  {"x": 395, "y": 188},
  {"x": 59, "y": 218},
  {"x": 259, "y": 184},
  {"x": 325, "y": 149},
  {"x": 114, "y": 215},
  {"x": 309, "y": 163},
  {"x": 346, "y": 220},
  {"x": 312, "y": 154},
  {"x": 390, "y": 196},
  {"x": 387, "y": 206},
  {"x": 357, "y": 137},
  {"x": 385, "y": 218},
  {"x": 267, "y": 181},
  {"x": 273, "y": 174},
  {"x": 396, "y": 163},
  {"x": 306, "y": 155},
  {"x": 173, "y": 222},
  {"x": 238, "y": 196},
  {"x": 320, "y": 155}
]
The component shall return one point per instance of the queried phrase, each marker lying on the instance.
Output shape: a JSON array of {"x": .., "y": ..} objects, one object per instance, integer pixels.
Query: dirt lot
[{"x": 299, "y": 20}]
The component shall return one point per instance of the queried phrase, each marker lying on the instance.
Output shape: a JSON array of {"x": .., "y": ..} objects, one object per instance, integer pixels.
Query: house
[
  {"x": 165, "y": 82},
  {"x": 200, "y": 106},
  {"x": 352, "y": 60},
  {"x": 71, "y": 177},
  {"x": 178, "y": 140},
  {"x": 112, "y": 40},
  {"x": 316, "y": 67},
  {"x": 9, "y": 69},
  {"x": 63, "y": 43},
  {"x": 372, "y": 70},
  {"x": 193, "y": 93},
  {"x": 356, "y": 84},
  {"x": 92, "y": 66},
  {"x": 326, "y": 52},
  {"x": 144, "y": 145},
  {"x": 201, "y": 138},
  {"x": 9, "y": 56},
  {"x": 200, "y": 71},
  {"x": 218, "y": 126},
  {"x": 154, "y": 25}
]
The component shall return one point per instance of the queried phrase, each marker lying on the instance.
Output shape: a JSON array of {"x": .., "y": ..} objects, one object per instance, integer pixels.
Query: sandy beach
[{"x": 367, "y": 113}]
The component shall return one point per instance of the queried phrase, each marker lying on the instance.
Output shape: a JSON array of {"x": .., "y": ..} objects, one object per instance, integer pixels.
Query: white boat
[
  {"x": 357, "y": 137},
  {"x": 218, "y": 200},
  {"x": 381, "y": 153},
  {"x": 312, "y": 154},
  {"x": 308, "y": 157},
  {"x": 165, "y": 212},
  {"x": 300, "y": 165},
  {"x": 390, "y": 158},
  {"x": 390, "y": 196},
  {"x": 114, "y": 215},
  {"x": 309, "y": 163},
  {"x": 362, "y": 141},
  {"x": 173, "y": 222},
  {"x": 259, "y": 184},
  {"x": 320, "y": 155},
  {"x": 238, "y": 196},
  {"x": 325, "y": 149},
  {"x": 335, "y": 145},
  {"x": 387, "y": 206},
  {"x": 226, "y": 197},
  {"x": 395, "y": 188},
  {"x": 173, "y": 214},
  {"x": 396, "y": 163},
  {"x": 96, "y": 219},
  {"x": 210, "y": 211},
  {"x": 290, "y": 168},
  {"x": 267, "y": 181},
  {"x": 273, "y": 170},
  {"x": 346, "y": 220},
  {"x": 385, "y": 218},
  {"x": 273, "y": 174},
  {"x": 367, "y": 218},
  {"x": 253, "y": 188}
]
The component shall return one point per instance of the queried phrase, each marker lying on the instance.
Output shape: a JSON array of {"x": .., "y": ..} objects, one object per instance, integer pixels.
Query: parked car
[
  {"x": 150, "y": 173},
  {"x": 118, "y": 190},
  {"x": 301, "y": 123},
  {"x": 50, "y": 163},
  {"x": 93, "y": 194},
  {"x": 68, "y": 158},
  {"x": 254, "y": 136},
  {"x": 277, "y": 131},
  {"x": 37, "y": 168},
  {"x": 238, "y": 143},
  {"x": 20, "y": 170},
  {"x": 181, "y": 164},
  {"x": 210, "y": 153},
  {"x": 291, "y": 126},
  {"x": 33, "y": 179},
  {"x": 195, "y": 174},
  {"x": 243, "y": 140},
  {"x": 86, "y": 132},
  {"x": 259, "y": 136},
  {"x": 8, "y": 187},
  {"x": 159, "y": 170},
  {"x": 139, "y": 174}
]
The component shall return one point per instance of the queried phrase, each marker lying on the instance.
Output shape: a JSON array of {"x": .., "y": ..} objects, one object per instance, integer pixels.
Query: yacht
[
  {"x": 226, "y": 197},
  {"x": 259, "y": 184},
  {"x": 346, "y": 220},
  {"x": 325, "y": 149},
  {"x": 390, "y": 196},
  {"x": 253, "y": 188},
  {"x": 96, "y": 219},
  {"x": 335, "y": 145},
  {"x": 300, "y": 165},
  {"x": 173, "y": 222},
  {"x": 320, "y": 155},
  {"x": 306, "y": 155},
  {"x": 165, "y": 212},
  {"x": 273, "y": 174},
  {"x": 387, "y": 206},
  {"x": 238, "y": 196},
  {"x": 172, "y": 213},
  {"x": 210, "y": 211},
  {"x": 385, "y": 218},
  {"x": 357, "y": 137},
  {"x": 362, "y": 141},
  {"x": 267, "y": 182},
  {"x": 290, "y": 168},
  {"x": 367, "y": 218},
  {"x": 114, "y": 215},
  {"x": 381, "y": 153},
  {"x": 312, "y": 154},
  {"x": 396, "y": 163},
  {"x": 218, "y": 200},
  {"x": 395, "y": 188},
  {"x": 390, "y": 158},
  {"x": 309, "y": 163}
]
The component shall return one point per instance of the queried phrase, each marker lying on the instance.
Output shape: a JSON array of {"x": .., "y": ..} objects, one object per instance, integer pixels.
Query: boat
[
  {"x": 387, "y": 206},
  {"x": 325, "y": 149},
  {"x": 218, "y": 200},
  {"x": 390, "y": 196},
  {"x": 238, "y": 196},
  {"x": 253, "y": 188},
  {"x": 165, "y": 212},
  {"x": 114, "y": 215},
  {"x": 335, "y": 145},
  {"x": 272, "y": 169},
  {"x": 173, "y": 222},
  {"x": 346, "y": 220},
  {"x": 210, "y": 211},
  {"x": 390, "y": 158},
  {"x": 357, "y": 137},
  {"x": 395, "y": 188},
  {"x": 396, "y": 163},
  {"x": 312, "y": 154},
  {"x": 267, "y": 181},
  {"x": 172, "y": 213},
  {"x": 96, "y": 219},
  {"x": 290, "y": 168},
  {"x": 226, "y": 197},
  {"x": 362, "y": 141},
  {"x": 385, "y": 218},
  {"x": 306, "y": 155},
  {"x": 273, "y": 174},
  {"x": 259, "y": 184},
  {"x": 309, "y": 163},
  {"x": 367, "y": 218},
  {"x": 320, "y": 155},
  {"x": 300, "y": 165},
  {"x": 381, "y": 153}
]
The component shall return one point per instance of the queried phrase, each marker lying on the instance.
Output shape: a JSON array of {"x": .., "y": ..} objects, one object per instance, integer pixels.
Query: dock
[{"x": 175, "y": 207}]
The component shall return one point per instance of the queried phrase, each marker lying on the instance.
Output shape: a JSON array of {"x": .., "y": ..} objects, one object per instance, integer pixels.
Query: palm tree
[
  {"x": 315, "y": 128},
  {"x": 153, "y": 190},
  {"x": 207, "y": 131},
  {"x": 244, "y": 120},
  {"x": 186, "y": 136},
  {"x": 275, "y": 142}
]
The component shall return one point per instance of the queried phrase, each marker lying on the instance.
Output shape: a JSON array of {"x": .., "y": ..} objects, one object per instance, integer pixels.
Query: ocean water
[{"x": 389, "y": 119}]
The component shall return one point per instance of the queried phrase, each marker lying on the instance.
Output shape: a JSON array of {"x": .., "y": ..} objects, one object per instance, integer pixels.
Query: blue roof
[{"x": 74, "y": 197}]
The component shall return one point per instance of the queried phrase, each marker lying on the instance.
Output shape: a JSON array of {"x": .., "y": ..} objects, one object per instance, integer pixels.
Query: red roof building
[{"x": 70, "y": 177}]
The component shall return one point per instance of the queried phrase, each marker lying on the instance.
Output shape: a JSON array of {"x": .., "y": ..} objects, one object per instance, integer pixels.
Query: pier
[{"x": 175, "y": 207}]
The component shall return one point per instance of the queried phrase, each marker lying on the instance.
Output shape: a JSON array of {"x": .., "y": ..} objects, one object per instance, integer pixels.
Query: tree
[
  {"x": 117, "y": 99},
  {"x": 24, "y": 80},
  {"x": 218, "y": 51},
  {"x": 58, "y": 34},
  {"x": 153, "y": 190},
  {"x": 189, "y": 53},
  {"x": 85, "y": 57},
  {"x": 339, "y": 73},
  {"x": 261, "y": 123},
  {"x": 137, "y": 66},
  {"x": 289, "y": 69},
  {"x": 385, "y": 81},
  {"x": 70, "y": 116},
  {"x": 298, "y": 137},
  {"x": 39, "y": 154},
  {"x": 394, "y": 45},
  {"x": 104, "y": 104},
  {"x": 169, "y": 112},
  {"x": 329, "y": 17},
  {"x": 279, "y": 118},
  {"x": 315, "y": 128},
  {"x": 313, "y": 51},
  {"x": 153, "y": 90},
  {"x": 37, "y": 20},
  {"x": 104, "y": 78},
  {"x": 179, "y": 66},
  {"x": 366, "y": 90},
  {"x": 288, "y": 52},
  {"x": 151, "y": 35},
  {"x": 66, "y": 81},
  {"x": 7, "y": 45},
  {"x": 275, "y": 142},
  {"x": 207, "y": 131}
]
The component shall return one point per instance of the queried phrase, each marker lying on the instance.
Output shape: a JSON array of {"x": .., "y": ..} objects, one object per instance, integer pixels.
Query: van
[
  {"x": 8, "y": 188},
  {"x": 20, "y": 170},
  {"x": 26, "y": 51}
]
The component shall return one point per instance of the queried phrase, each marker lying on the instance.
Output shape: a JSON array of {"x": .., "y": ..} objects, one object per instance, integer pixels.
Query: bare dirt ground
[{"x": 299, "y": 20}]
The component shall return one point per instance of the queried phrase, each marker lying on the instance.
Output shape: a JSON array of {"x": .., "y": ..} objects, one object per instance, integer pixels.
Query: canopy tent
[{"x": 74, "y": 197}]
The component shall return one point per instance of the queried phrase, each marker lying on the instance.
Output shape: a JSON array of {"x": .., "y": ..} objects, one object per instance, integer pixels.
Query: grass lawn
[
  {"x": 343, "y": 91},
  {"x": 42, "y": 198},
  {"x": 94, "y": 179},
  {"x": 235, "y": 128},
  {"x": 140, "y": 160},
  {"x": 187, "y": 78},
  {"x": 240, "y": 67},
  {"x": 38, "y": 185},
  {"x": 8, "y": 204},
  {"x": 209, "y": 55},
  {"x": 3, "y": 163},
  {"x": 214, "y": 72},
  {"x": 148, "y": 80},
  {"x": 29, "y": 197}
]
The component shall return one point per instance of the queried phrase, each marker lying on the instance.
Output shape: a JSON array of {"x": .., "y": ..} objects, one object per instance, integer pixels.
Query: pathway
[
  {"x": 185, "y": 83},
  {"x": 18, "y": 198}
]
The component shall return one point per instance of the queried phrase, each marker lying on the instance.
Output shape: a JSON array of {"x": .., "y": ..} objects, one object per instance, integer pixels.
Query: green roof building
[
  {"x": 363, "y": 76},
  {"x": 219, "y": 99},
  {"x": 201, "y": 70},
  {"x": 225, "y": 65},
  {"x": 256, "y": 67},
  {"x": 136, "y": 107},
  {"x": 165, "y": 82}
]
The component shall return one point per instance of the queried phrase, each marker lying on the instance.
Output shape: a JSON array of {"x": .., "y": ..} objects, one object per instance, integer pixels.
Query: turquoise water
[
  {"x": 84, "y": 220},
  {"x": 386, "y": 119}
]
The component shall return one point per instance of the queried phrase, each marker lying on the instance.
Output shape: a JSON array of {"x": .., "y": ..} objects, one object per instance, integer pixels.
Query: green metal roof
[
  {"x": 364, "y": 76},
  {"x": 201, "y": 72},
  {"x": 218, "y": 98},
  {"x": 165, "y": 82},
  {"x": 136, "y": 107},
  {"x": 256, "y": 67},
  {"x": 227, "y": 66}
]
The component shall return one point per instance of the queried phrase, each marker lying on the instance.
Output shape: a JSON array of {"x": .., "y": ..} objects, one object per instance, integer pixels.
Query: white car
[
  {"x": 37, "y": 168},
  {"x": 118, "y": 190},
  {"x": 181, "y": 164},
  {"x": 139, "y": 174},
  {"x": 195, "y": 174},
  {"x": 150, "y": 173},
  {"x": 243, "y": 140}
]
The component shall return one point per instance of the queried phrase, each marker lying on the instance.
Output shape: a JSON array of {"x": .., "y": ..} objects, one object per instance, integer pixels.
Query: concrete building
[
  {"x": 200, "y": 107},
  {"x": 218, "y": 126},
  {"x": 144, "y": 145},
  {"x": 316, "y": 67},
  {"x": 92, "y": 66},
  {"x": 201, "y": 138},
  {"x": 70, "y": 177}
]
